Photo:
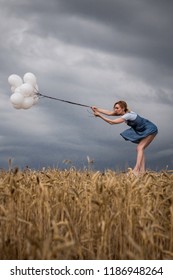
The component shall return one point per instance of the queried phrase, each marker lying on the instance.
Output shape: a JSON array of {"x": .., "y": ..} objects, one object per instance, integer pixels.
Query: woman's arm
[
  {"x": 115, "y": 121},
  {"x": 103, "y": 111}
]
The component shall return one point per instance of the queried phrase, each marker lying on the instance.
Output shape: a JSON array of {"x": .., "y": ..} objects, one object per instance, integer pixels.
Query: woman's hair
[{"x": 123, "y": 105}]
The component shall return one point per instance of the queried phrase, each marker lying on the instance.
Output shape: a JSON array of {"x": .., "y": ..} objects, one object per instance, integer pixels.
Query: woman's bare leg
[
  {"x": 142, "y": 167},
  {"x": 140, "y": 161}
]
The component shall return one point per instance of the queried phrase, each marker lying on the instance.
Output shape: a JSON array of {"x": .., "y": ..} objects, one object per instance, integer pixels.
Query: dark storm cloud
[
  {"x": 140, "y": 28},
  {"x": 145, "y": 30}
]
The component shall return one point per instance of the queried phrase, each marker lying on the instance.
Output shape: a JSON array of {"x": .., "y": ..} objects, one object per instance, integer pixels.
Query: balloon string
[{"x": 62, "y": 100}]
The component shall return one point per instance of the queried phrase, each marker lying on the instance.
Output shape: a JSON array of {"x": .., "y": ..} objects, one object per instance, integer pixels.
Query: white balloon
[
  {"x": 17, "y": 98},
  {"x": 36, "y": 90},
  {"x": 35, "y": 99},
  {"x": 28, "y": 102},
  {"x": 18, "y": 89},
  {"x": 15, "y": 80},
  {"x": 17, "y": 106},
  {"x": 30, "y": 78},
  {"x": 13, "y": 89},
  {"x": 26, "y": 89}
]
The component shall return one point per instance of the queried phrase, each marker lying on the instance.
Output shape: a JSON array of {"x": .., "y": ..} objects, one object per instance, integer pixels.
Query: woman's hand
[
  {"x": 94, "y": 108},
  {"x": 96, "y": 113}
]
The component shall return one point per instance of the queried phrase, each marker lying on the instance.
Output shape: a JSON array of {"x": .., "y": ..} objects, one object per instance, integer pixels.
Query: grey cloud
[{"x": 143, "y": 27}]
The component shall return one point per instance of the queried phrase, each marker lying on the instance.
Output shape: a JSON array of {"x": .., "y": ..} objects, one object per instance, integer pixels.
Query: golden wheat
[{"x": 70, "y": 214}]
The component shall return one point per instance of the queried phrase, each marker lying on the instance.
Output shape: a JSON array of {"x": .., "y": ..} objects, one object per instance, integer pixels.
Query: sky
[{"x": 90, "y": 52}]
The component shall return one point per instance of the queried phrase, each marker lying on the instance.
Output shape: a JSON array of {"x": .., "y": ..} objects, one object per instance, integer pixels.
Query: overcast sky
[{"x": 94, "y": 52}]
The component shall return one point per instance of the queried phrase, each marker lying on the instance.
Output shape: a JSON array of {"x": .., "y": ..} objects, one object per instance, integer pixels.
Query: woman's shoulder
[{"x": 129, "y": 116}]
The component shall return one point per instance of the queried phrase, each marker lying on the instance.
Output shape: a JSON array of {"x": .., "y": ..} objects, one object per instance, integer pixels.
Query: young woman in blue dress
[{"x": 141, "y": 131}]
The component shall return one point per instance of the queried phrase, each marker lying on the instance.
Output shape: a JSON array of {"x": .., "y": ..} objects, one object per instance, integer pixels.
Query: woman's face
[{"x": 118, "y": 110}]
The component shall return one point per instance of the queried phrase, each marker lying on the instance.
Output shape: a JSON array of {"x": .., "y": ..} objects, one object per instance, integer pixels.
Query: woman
[{"x": 142, "y": 131}]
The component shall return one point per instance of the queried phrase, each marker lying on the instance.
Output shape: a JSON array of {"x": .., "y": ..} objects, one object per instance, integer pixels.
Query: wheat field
[{"x": 71, "y": 214}]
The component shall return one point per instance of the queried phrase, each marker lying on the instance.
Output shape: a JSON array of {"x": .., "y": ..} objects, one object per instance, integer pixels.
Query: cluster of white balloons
[{"x": 24, "y": 91}]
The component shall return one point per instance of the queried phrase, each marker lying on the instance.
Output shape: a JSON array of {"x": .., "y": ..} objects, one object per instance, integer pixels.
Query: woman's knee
[{"x": 139, "y": 147}]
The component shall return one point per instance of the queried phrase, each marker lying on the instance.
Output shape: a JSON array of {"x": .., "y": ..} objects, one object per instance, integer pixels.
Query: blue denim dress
[{"x": 140, "y": 128}]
